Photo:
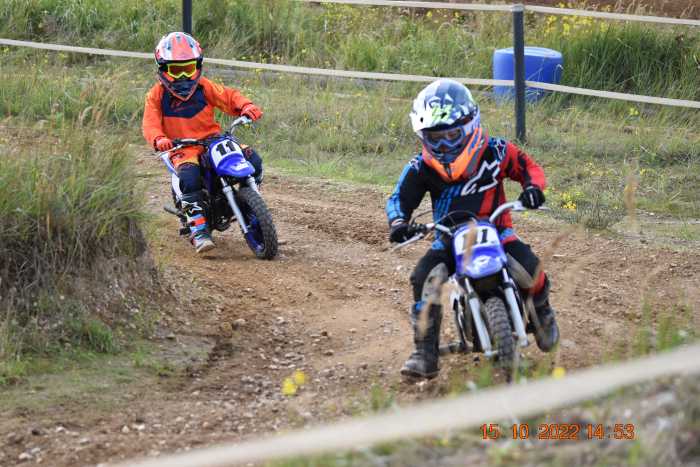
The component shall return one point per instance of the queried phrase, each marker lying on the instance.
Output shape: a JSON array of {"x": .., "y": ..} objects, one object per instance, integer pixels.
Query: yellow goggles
[{"x": 178, "y": 70}]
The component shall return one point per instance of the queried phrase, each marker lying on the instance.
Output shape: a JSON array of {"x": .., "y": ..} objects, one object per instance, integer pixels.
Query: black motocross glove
[
  {"x": 532, "y": 197},
  {"x": 400, "y": 232}
]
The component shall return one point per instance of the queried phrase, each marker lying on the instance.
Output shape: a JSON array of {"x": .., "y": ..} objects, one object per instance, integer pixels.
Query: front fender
[{"x": 235, "y": 166}]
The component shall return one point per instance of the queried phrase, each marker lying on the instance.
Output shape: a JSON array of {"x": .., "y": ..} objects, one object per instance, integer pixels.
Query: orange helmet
[
  {"x": 447, "y": 121},
  {"x": 179, "y": 58}
]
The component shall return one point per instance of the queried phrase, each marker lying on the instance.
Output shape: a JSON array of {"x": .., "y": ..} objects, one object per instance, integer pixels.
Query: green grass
[
  {"x": 629, "y": 57},
  {"x": 68, "y": 205},
  {"x": 70, "y": 213},
  {"x": 640, "y": 58},
  {"x": 663, "y": 327},
  {"x": 360, "y": 133},
  {"x": 81, "y": 376}
]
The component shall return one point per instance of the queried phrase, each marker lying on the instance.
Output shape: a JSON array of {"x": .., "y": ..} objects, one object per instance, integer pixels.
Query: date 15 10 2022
[{"x": 560, "y": 431}]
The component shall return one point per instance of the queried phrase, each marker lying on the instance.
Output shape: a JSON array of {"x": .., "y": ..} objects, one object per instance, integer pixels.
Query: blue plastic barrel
[{"x": 543, "y": 65}]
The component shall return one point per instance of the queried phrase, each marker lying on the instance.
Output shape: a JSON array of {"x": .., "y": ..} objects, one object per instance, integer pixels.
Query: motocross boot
[
  {"x": 547, "y": 333},
  {"x": 199, "y": 231},
  {"x": 423, "y": 362}
]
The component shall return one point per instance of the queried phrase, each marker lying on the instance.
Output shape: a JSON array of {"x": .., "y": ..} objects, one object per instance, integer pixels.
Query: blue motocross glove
[
  {"x": 532, "y": 197},
  {"x": 399, "y": 231}
]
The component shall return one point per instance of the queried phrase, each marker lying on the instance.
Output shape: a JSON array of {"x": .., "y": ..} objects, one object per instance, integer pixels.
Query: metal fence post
[
  {"x": 519, "y": 70},
  {"x": 187, "y": 16}
]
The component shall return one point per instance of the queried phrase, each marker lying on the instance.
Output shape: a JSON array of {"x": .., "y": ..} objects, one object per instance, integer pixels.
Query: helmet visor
[{"x": 181, "y": 69}]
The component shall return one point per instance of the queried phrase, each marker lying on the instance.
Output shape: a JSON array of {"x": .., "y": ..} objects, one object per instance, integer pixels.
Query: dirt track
[{"x": 335, "y": 306}]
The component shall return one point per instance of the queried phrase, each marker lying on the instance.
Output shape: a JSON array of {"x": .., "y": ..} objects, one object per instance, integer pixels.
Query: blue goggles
[{"x": 445, "y": 140}]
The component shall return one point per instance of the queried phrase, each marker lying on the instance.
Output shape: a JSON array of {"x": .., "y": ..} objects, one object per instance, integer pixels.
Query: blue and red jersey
[{"x": 480, "y": 192}]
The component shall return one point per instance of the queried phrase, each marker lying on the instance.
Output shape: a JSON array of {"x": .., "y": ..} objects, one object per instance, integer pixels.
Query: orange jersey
[{"x": 165, "y": 115}]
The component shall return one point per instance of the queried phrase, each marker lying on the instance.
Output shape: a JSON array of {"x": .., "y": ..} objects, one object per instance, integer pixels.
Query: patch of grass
[
  {"x": 379, "y": 398},
  {"x": 594, "y": 205},
  {"x": 683, "y": 230},
  {"x": 66, "y": 202},
  {"x": 651, "y": 446},
  {"x": 328, "y": 460},
  {"x": 71, "y": 216},
  {"x": 485, "y": 375},
  {"x": 12, "y": 371},
  {"x": 93, "y": 334},
  {"x": 67, "y": 207},
  {"x": 144, "y": 359},
  {"x": 76, "y": 375},
  {"x": 663, "y": 327}
]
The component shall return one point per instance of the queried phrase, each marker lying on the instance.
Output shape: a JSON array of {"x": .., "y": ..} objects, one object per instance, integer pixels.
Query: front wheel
[
  {"x": 501, "y": 334},
  {"x": 261, "y": 236}
]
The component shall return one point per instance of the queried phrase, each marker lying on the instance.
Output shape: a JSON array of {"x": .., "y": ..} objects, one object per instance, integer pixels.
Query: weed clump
[{"x": 69, "y": 217}]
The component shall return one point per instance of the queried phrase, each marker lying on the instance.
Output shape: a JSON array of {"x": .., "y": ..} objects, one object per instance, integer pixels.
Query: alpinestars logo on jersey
[{"x": 484, "y": 179}]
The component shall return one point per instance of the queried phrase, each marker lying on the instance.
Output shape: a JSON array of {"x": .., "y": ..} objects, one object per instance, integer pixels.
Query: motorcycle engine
[{"x": 221, "y": 213}]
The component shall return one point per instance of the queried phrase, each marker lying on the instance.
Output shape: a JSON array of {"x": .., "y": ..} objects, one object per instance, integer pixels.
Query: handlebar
[
  {"x": 242, "y": 120},
  {"x": 516, "y": 206},
  {"x": 422, "y": 230},
  {"x": 183, "y": 142}
]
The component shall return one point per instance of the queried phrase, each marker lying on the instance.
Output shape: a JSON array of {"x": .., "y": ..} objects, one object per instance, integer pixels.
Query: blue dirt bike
[
  {"x": 230, "y": 192},
  {"x": 490, "y": 314}
]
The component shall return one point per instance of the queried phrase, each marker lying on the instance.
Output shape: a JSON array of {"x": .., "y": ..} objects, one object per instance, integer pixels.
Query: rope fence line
[
  {"x": 614, "y": 16},
  {"x": 365, "y": 74},
  {"x": 486, "y": 406},
  {"x": 510, "y": 9},
  {"x": 615, "y": 95},
  {"x": 413, "y": 4}
]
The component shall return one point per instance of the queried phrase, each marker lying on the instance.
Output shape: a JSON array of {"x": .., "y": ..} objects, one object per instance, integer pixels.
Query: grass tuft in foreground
[{"x": 70, "y": 215}]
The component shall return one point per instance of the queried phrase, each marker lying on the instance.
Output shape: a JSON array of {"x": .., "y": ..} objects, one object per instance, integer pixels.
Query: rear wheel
[
  {"x": 261, "y": 236},
  {"x": 501, "y": 334}
]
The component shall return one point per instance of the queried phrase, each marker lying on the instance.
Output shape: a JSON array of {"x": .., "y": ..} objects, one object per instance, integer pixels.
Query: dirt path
[{"x": 334, "y": 305}]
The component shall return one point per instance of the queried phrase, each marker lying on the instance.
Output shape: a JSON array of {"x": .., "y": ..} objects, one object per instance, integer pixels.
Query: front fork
[
  {"x": 253, "y": 184},
  {"x": 513, "y": 307},
  {"x": 515, "y": 311},
  {"x": 228, "y": 192},
  {"x": 475, "y": 309}
]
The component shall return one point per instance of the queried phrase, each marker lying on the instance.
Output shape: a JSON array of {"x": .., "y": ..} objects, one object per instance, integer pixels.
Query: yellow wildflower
[
  {"x": 558, "y": 372},
  {"x": 289, "y": 388},
  {"x": 299, "y": 378}
]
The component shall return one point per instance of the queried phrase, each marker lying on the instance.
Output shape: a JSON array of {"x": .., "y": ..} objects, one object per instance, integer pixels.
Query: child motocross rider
[
  {"x": 463, "y": 169},
  {"x": 181, "y": 105}
]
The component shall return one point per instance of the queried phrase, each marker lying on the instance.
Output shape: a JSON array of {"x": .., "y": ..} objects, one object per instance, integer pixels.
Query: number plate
[
  {"x": 485, "y": 236},
  {"x": 223, "y": 149}
]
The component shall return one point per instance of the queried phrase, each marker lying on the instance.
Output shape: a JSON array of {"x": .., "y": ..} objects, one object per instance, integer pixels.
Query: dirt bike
[
  {"x": 489, "y": 311},
  {"x": 230, "y": 192}
]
